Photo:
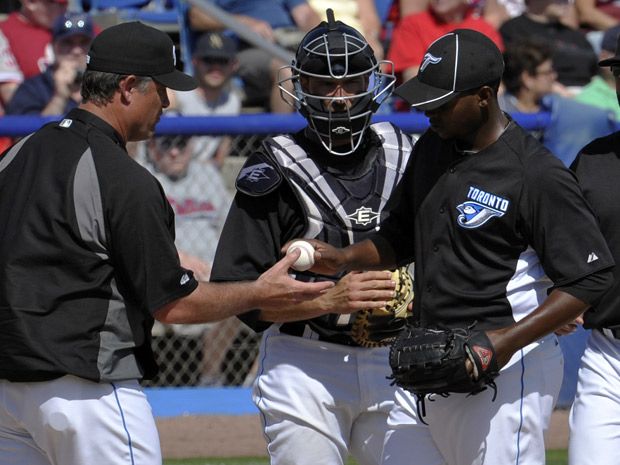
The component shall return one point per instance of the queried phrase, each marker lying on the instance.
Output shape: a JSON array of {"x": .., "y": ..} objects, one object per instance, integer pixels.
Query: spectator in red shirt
[
  {"x": 25, "y": 43},
  {"x": 417, "y": 31},
  {"x": 57, "y": 90}
]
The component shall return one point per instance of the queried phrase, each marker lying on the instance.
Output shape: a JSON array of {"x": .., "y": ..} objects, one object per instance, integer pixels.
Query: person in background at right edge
[{"x": 595, "y": 414}]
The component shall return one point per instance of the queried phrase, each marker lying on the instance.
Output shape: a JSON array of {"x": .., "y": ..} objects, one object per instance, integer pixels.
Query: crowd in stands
[
  {"x": 529, "y": 82},
  {"x": 43, "y": 44}
]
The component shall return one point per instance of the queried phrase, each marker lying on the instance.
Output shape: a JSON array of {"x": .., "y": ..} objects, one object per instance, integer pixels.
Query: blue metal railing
[{"x": 263, "y": 123}]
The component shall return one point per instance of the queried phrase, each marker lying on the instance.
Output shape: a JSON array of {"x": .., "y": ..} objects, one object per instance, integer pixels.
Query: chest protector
[{"x": 341, "y": 210}]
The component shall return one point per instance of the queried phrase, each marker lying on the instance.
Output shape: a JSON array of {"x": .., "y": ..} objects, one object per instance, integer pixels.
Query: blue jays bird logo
[
  {"x": 429, "y": 59},
  {"x": 481, "y": 208},
  {"x": 474, "y": 214}
]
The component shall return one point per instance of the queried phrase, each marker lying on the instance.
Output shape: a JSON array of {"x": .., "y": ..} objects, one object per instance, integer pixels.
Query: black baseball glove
[{"x": 426, "y": 361}]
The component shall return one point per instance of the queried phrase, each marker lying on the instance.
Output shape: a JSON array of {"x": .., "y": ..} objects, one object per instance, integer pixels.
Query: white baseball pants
[
  {"x": 474, "y": 430},
  {"x": 595, "y": 414},
  {"x": 319, "y": 401},
  {"x": 72, "y": 421}
]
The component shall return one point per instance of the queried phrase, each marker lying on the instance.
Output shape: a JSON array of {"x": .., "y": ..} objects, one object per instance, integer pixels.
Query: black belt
[{"x": 299, "y": 329}]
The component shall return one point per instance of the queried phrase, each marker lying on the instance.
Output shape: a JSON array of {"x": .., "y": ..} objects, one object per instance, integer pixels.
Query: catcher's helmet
[{"x": 335, "y": 51}]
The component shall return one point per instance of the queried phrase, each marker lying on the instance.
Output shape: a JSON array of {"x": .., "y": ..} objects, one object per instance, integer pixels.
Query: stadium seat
[
  {"x": 156, "y": 12},
  {"x": 88, "y": 5},
  {"x": 167, "y": 15}
]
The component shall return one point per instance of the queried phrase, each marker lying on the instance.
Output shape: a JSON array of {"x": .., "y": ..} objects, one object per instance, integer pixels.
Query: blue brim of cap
[
  {"x": 177, "y": 80},
  {"x": 71, "y": 33},
  {"x": 423, "y": 97}
]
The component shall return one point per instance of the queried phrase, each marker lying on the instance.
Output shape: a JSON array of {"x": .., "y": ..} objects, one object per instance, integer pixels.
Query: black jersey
[
  {"x": 493, "y": 230},
  {"x": 598, "y": 170},
  {"x": 86, "y": 255},
  {"x": 294, "y": 188}
]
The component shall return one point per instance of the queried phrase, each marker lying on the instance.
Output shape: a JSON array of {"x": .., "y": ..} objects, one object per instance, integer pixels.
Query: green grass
[
  {"x": 228, "y": 461},
  {"x": 554, "y": 457},
  {"x": 218, "y": 461},
  {"x": 557, "y": 457}
]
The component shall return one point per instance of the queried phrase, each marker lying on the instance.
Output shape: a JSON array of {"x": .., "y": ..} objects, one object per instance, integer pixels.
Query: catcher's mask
[{"x": 335, "y": 52}]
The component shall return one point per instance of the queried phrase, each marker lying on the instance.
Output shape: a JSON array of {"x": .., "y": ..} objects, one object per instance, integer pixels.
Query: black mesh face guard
[{"x": 335, "y": 51}]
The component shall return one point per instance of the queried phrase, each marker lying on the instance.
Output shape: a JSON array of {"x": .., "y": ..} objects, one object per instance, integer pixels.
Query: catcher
[
  {"x": 506, "y": 251},
  {"x": 322, "y": 387}
]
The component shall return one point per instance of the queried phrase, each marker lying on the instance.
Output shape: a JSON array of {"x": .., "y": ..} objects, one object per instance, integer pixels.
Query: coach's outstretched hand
[{"x": 276, "y": 288}]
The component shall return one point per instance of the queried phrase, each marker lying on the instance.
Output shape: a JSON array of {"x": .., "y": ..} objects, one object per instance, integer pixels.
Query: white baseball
[{"x": 306, "y": 259}]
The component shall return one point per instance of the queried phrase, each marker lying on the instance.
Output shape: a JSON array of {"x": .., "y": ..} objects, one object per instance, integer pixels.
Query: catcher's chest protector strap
[
  {"x": 336, "y": 216},
  {"x": 327, "y": 199}
]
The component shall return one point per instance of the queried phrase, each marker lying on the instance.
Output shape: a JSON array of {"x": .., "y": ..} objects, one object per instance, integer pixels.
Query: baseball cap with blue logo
[
  {"x": 135, "y": 48},
  {"x": 457, "y": 62},
  {"x": 71, "y": 24}
]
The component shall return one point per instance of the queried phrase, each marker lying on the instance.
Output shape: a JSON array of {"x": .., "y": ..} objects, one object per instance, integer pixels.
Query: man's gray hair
[{"x": 98, "y": 87}]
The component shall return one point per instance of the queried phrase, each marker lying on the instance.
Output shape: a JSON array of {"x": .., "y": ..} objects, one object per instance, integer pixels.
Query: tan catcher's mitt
[{"x": 380, "y": 326}]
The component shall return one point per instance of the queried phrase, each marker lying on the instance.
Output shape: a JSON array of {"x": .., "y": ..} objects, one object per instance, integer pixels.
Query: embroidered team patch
[
  {"x": 257, "y": 177},
  {"x": 481, "y": 207},
  {"x": 255, "y": 173},
  {"x": 363, "y": 216},
  {"x": 429, "y": 59}
]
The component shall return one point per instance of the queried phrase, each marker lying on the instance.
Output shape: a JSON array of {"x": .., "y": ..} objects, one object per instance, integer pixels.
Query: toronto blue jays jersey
[{"x": 491, "y": 232}]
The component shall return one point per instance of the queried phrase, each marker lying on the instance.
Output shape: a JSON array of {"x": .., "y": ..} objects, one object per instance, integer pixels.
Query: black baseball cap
[
  {"x": 459, "y": 61},
  {"x": 611, "y": 37},
  {"x": 135, "y": 48},
  {"x": 215, "y": 45}
]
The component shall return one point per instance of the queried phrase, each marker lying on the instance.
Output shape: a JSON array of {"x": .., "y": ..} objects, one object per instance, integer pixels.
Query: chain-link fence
[{"x": 216, "y": 354}]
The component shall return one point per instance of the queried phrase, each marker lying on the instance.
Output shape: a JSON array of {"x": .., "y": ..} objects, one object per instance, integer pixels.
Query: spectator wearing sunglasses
[
  {"x": 215, "y": 65},
  {"x": 200, "y": 200},
  {"x": 530, "y": 80},
  {"x": 197, "y": 194},
  {"x": 57, "y": 90}
]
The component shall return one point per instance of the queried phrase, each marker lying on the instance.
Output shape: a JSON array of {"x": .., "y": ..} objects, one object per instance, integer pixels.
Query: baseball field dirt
[{"x": 241, "y": 436}]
